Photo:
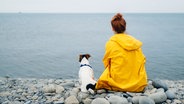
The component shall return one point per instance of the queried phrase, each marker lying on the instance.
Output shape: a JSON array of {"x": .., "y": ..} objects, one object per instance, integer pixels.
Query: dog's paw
[{"x": 91, "y": 91}]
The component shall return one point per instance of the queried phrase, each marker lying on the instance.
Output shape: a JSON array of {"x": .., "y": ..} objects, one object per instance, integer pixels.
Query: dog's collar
[{"x": 85, "y": 65}]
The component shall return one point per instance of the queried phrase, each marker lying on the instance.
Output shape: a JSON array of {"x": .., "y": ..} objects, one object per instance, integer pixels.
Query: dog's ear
[
  {"x": 80, "y": 57},
  {"x": 87, "y": 56}
]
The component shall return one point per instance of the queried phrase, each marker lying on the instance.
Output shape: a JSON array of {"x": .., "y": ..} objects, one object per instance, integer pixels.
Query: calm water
[{"x": 48, "y": 45}]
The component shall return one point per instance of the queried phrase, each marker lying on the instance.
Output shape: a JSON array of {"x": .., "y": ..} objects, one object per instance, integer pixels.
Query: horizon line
[{"x": 92, "y": 12}]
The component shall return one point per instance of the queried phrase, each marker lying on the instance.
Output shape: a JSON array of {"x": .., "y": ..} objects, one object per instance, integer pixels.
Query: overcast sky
[{"x": 91, "y": 6}]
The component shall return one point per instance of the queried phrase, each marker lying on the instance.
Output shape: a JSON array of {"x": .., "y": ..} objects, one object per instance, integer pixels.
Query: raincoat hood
[{"x": 126, "y": 41}]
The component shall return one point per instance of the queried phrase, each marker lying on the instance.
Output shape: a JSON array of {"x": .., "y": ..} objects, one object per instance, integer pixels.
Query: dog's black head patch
[
  {"x": 84, "y": 55},
  {"x": 91, "y": 86}
]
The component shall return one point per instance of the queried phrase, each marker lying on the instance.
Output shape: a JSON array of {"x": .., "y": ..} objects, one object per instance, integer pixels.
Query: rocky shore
[{"x": 67, "y": 91}]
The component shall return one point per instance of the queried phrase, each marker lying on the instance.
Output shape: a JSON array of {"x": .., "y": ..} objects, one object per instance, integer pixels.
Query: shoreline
[{"x": 67, "y": 91}]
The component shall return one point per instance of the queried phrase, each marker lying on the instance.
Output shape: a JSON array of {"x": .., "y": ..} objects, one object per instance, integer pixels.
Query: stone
[
  {"x": 49, "y": 88},
  {"x": 160, "y": 90},
  {"x": 5, "y": 93},
  {"x": 117, "y": 100},
  {"x": 74, "y": 91},
  {"x": 158, "y": 97},
  {"x": 168, "y": 101},
  {"x": 82, "y": 95},
  {"x": 101, "y": 91},
  {"x": 135, "y": 99},
  {"x": 153, "y": 90},
  {"x": 28, "y": 102},
  {"x": 35, "y": 97},
  {"x": 60, "y": 101},
  {"x": 146, "y": 100},
  {"x": 71, "y": 100},
  {"x": 58, "y": 81},
  {"x": 87, "y": 101},
  {"x": 160, "y": 84},
  {"x": 59, "y": 89},
  {"x": 170, "y": 94},
  {"x": 100, "y": 101},
  {"x": 176, "y": 101},
  {"x": 68, "y": 84}
]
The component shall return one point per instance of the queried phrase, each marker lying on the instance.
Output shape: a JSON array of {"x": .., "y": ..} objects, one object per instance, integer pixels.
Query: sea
[{"x": 48, "y": 45}]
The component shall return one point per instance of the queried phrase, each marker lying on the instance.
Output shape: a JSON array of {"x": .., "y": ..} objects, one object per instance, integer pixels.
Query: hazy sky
[{"x": 88, "y": 6}]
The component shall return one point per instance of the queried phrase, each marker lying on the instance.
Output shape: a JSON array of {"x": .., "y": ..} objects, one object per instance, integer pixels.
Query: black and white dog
[{"x": 86, "y": 75}]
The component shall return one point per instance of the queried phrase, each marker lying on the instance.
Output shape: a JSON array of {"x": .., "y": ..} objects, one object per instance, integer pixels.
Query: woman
[{"x": 123, "y": 60}]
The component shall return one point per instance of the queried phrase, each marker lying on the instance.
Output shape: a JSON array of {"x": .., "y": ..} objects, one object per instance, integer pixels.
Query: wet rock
[
  {"x": 100, "y": 101},
  {"x": 160, "y": 84}
]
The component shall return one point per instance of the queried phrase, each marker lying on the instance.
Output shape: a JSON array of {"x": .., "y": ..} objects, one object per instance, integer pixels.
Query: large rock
[
  {"x": 135, "y": 99},
  {"x": 71, "y": 100},
  {"x": 100, "y": 101},
  {"x": 170, "y": 94},
  {"x": 160, "y": 84},
  {"x": 158, "y": 97},
  {"x": 117, "y": 100}
]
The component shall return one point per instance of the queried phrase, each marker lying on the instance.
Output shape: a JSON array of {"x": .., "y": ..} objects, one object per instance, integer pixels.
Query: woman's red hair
[{"x": 118, "y": 23}]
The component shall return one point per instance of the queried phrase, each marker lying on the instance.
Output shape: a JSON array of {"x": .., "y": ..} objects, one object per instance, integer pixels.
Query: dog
[{"x": 86, "y": 75}]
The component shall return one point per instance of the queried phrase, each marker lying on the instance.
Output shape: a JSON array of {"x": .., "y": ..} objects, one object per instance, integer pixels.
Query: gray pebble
[
  {"x": 158, "y": 97},
  {"x": 49, "y": 88},
  {"x": 28, "y": 102},
  {"x": 87, "y": 101},
  {"x": 59, "y": 89},
  {"x": 117, "y": 100},
  {"x": 100, "y": 101},
  {"x": 146, "y": 100},
  {"x": 71, "y": 100},
  {"x": 68, "y": 84},
  {"x": 135, "y": 99}
]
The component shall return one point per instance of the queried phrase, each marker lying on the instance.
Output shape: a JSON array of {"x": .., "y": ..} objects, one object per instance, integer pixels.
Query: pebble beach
[{"x": 67, "y": 91}]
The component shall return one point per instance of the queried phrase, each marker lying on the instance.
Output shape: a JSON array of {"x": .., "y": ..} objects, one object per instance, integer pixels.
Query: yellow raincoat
[{"x": 124, "y": 65}]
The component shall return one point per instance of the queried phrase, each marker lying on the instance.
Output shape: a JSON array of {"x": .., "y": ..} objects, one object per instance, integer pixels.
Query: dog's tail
[{"x": 84, "y": 55}]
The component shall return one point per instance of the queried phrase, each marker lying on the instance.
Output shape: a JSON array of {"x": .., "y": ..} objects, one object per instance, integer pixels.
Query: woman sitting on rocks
[{"x": 123, "y": 60}]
